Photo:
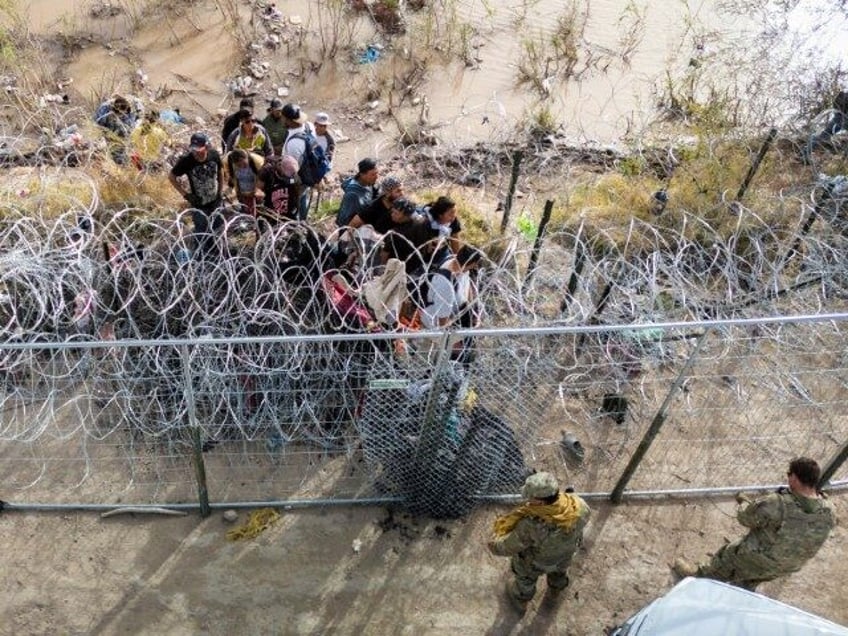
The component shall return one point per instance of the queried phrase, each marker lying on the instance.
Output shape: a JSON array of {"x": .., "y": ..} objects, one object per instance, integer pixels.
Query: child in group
[{"x": 243, "y": 175}]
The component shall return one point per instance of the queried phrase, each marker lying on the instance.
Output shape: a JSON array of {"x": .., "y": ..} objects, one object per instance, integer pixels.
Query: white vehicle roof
[{"x": 703, "y": 607}]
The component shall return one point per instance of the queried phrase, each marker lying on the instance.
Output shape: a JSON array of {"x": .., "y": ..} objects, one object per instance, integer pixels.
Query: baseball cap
[
  {"x": 275, "y": 104},
  {"x": 322, "y": 119},
  {"x": 540, "y": 486},
  {"x": 198, "y": 141}
]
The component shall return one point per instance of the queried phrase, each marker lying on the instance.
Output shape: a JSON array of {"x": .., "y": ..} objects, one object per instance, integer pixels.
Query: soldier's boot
[
  {"x": 555, "y": 593},
  {"x": 516, "y": 603},
  {"x": 556, "y": 584},
  {"x": 683, "y": 568}
]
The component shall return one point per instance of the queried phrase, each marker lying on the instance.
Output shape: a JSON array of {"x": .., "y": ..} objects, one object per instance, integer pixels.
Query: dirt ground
[{"x": 167, "y": 575}]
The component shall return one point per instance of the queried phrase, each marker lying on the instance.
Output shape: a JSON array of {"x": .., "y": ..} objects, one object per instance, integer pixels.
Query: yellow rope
[
  {"x": 470, "y": 400},
  {"x": 257, "y": 523}
]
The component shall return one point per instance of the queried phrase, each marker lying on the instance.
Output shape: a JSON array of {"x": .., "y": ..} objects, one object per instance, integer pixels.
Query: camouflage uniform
[
  {"x": 786, "y": 531},
  {"x": 539, "y": 547}
]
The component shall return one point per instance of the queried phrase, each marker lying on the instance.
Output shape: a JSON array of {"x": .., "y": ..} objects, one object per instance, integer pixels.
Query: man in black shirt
[
  {"x": 203, "y": 167},
  {"x": 379, "y": 213},
  {"x": 408, "y": 232}
]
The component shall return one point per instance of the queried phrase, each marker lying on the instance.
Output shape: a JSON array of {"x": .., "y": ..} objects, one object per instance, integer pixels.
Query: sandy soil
[
  {"x": 156, "y": 575},
  {"x": 189, "y": 53}
]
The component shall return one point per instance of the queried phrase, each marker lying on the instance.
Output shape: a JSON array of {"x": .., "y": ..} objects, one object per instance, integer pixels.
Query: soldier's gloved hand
[{"x": 742, "y": 498}]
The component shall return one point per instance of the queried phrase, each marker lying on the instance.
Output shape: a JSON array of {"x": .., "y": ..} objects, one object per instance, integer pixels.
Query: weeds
[
  {"x": 8, "y": 50},
  {"x": 549, "y": 57},
  {"x": 632, "y": 25},
  {"x": 703, "y": 184},
  {"x": 703, "y": 106},
  {"x": 336, "y": 30},
  {"x": 543, "y": 122},
  {"x": 12, "y": 26}
]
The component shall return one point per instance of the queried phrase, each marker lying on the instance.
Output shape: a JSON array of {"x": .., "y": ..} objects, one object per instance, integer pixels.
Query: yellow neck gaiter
[{"x": 564, "y": 512}]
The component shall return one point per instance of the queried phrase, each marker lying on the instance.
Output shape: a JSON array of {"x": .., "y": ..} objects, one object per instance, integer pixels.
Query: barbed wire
[{"x": 75, "y": 279}]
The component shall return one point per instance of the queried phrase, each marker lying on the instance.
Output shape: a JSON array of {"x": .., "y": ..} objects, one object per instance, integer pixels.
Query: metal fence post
[
  {"x": 516, "y": 166},
  {"x": 537, "y": 245},
  {"x": 194, "y": 430},
  {"x": 599, "y": 309},
  {"x": 743, "y": 188},
  {"x": 656, "y": 423},
  {"x": 833, "y": 465},
  {"x": 576, "y": 271}
]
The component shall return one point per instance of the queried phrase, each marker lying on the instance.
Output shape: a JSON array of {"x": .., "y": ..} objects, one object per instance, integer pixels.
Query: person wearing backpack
[
  {"x": 301, "y": 144},
  {"x": 445, "y": 293}
]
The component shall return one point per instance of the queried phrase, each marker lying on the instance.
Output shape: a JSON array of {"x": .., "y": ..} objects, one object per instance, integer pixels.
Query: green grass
[{"x": 706, "y": 180}]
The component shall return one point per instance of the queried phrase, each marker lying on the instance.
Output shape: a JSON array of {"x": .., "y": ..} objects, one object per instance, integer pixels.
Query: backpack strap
[{"x": 307, "y": 137}]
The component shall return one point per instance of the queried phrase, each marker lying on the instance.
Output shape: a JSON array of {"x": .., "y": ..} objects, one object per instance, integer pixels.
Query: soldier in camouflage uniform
[
  {"x": 541, "y": 536},
  {"x": 786, "y": 529}
]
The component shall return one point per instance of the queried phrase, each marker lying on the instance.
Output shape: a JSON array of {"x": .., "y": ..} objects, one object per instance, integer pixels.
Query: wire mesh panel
[
  {"x": 753, "y": 398},
  {"x": 408, "y": 419}
]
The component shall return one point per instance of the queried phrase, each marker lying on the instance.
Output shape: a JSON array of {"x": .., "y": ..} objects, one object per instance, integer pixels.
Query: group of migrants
[
  {"x": 785, "y": 529},
  {"x": 390, "y": 264},
  {"x": 276, "y": 165},
  {"x": 136, "y": 134}
]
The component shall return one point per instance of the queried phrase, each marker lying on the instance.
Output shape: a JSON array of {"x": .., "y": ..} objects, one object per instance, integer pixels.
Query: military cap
[{"x": 540, "y": 486}]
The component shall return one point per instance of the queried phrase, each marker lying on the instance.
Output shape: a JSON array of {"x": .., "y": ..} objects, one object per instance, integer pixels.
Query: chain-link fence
[
  {"x": 406, "y": 419},
  {"x": 137, "y": 371}
]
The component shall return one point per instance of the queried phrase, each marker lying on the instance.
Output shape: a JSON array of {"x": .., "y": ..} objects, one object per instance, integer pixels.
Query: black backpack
[{"x": 314, "y": 165}]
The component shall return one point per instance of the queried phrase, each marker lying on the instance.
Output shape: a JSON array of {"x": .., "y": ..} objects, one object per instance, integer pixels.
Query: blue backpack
[{"x": 314, "y": 166}]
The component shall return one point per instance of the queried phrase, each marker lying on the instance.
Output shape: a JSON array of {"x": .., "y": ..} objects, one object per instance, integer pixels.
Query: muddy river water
[{"x": 625, "y": 51}]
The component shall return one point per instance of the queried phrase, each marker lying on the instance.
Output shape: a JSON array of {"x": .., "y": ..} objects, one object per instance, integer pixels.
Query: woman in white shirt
[{"x": 449, "y": 289}]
